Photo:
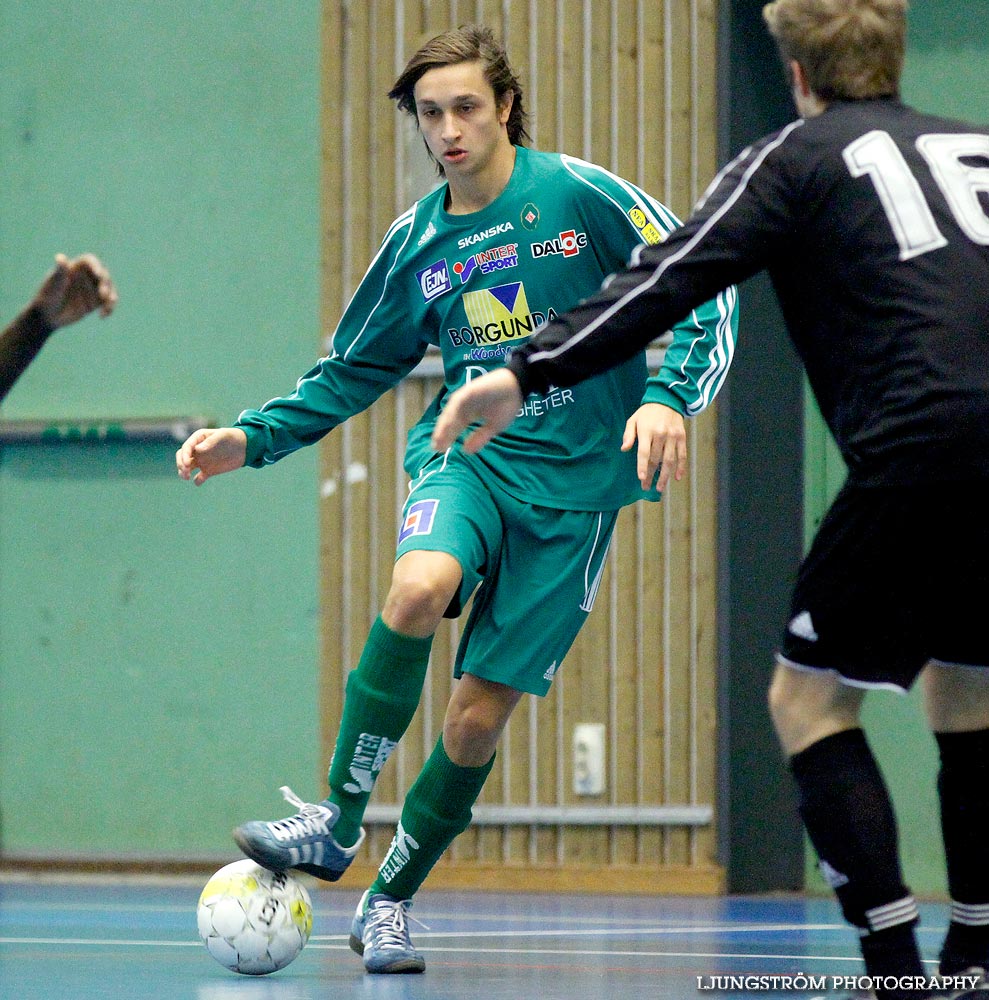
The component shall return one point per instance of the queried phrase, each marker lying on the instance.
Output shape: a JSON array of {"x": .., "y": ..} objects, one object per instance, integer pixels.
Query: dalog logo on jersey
[
  {"x": 569, "y": 244},
  {"x": 496, "y": 314}
]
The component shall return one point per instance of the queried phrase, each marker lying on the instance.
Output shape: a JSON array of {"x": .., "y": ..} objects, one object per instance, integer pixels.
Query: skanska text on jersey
[
  {"x": 511, "y": 327},
  {"x": 467, "y": 241}
]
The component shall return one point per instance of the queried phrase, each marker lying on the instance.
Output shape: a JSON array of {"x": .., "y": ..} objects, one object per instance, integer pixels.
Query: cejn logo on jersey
[
  {"x": 487, "y": 261},
  {"x": 569, "y": 244},
  {"x": 434, "y": 280}
]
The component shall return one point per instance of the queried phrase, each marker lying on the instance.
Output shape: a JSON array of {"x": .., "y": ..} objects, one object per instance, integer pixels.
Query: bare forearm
[
  {"x": 19, "y": 345},
  {"x": 71, "y": 290}
]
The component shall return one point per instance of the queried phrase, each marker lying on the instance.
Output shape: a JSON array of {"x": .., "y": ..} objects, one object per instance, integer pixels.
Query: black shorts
[{"x": 896, "y": 576}]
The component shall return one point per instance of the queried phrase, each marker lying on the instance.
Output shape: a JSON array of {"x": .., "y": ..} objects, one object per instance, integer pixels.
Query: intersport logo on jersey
[
  {"x": 568, "y": 244},
  {"x": 487, "y": 261}
]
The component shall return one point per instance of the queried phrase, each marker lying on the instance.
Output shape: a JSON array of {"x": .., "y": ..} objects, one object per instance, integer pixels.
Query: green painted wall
[
  {"x": 945, "y": 74},
  {"x": 158, "y": 657}
]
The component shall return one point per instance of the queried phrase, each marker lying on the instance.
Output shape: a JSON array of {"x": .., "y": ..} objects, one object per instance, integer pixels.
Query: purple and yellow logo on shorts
[{"x": 418, "y": 519}]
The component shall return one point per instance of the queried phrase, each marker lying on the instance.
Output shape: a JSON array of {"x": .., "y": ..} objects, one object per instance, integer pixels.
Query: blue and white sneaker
[
  {"x": 302, "y": 842},
  {"x": 380, "y": 932}
]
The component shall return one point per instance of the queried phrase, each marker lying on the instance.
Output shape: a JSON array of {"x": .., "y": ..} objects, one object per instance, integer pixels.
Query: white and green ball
[{"x": 252, "y": 920}]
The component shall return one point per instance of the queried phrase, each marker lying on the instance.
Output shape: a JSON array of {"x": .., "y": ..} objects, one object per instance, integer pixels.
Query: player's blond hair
[
  {"x": 848, "y": 49},
  {"x": 468, "y": 43}
]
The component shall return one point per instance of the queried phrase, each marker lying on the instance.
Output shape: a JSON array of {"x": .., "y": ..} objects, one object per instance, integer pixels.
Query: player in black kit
[{"x": 873, "y": 223}]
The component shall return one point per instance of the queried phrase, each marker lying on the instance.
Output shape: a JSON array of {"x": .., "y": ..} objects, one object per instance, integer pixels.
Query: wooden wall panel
[{"x": 629, "y": 84}]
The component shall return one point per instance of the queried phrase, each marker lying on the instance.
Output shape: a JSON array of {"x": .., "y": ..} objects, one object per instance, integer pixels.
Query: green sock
[
  {"x": 437, "y": 809},
  {"x": 383, "y": 692}
]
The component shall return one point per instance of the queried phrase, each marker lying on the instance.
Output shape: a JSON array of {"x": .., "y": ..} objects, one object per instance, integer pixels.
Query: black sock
[
  {"x": 849, "y": 818},
  {"x": 962, "y": 784},
  {"x": 884, "y": 954}
]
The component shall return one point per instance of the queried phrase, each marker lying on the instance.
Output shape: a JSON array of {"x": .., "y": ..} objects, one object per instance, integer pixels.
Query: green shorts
[{"x": 536, "y": 570}]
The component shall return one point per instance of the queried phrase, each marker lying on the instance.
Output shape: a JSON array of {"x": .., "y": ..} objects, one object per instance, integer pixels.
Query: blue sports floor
[{"x": 131, "y": 939}]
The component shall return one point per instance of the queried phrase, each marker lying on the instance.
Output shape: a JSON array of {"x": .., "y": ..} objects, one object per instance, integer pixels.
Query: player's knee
[
  {"x": 470, "y": 734},
  {"x": 797, "y": 719},
  {"x": 782, "y": 707},
  {"x": 423, "y": 585},
  {"x": 414, "y": 606},
  {"x": 956, "y": 698},
  {"x": 807, "y": 707}
]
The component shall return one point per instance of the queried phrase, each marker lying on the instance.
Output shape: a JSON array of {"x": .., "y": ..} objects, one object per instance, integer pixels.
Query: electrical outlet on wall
[{"x": 588, "y": 758}]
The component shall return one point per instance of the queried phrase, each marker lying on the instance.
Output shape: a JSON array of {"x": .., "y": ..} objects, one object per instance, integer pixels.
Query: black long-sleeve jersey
[{"x": 872, "y": 220}]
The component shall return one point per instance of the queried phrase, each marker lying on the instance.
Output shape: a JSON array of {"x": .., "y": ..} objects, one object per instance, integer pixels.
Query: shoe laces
[
  {"x": 311, "y": 818},
  {"x": 387, "y": 923}
]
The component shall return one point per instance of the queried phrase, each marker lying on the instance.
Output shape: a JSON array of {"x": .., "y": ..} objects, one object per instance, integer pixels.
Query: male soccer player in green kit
[{"x": 510, "y": 240}]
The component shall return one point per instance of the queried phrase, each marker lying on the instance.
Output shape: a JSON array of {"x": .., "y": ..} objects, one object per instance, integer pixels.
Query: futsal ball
[{"x": 254, "y": 921}]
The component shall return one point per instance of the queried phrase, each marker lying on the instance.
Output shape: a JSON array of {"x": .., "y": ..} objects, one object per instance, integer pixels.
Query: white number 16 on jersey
[{"x": 902, "y": 199}]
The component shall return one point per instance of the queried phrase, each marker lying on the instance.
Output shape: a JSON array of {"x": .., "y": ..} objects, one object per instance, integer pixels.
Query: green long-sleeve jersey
[{"x": 477, "y": 285}]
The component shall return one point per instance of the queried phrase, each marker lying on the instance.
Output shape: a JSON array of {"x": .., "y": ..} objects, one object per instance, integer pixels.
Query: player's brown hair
[
  {"x": 468, "y": 43},
  {"x": 848, "y": 49}
]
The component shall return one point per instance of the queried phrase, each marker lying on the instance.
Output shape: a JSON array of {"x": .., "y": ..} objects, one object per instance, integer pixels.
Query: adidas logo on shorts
[{"x": 802, "y": 626}]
